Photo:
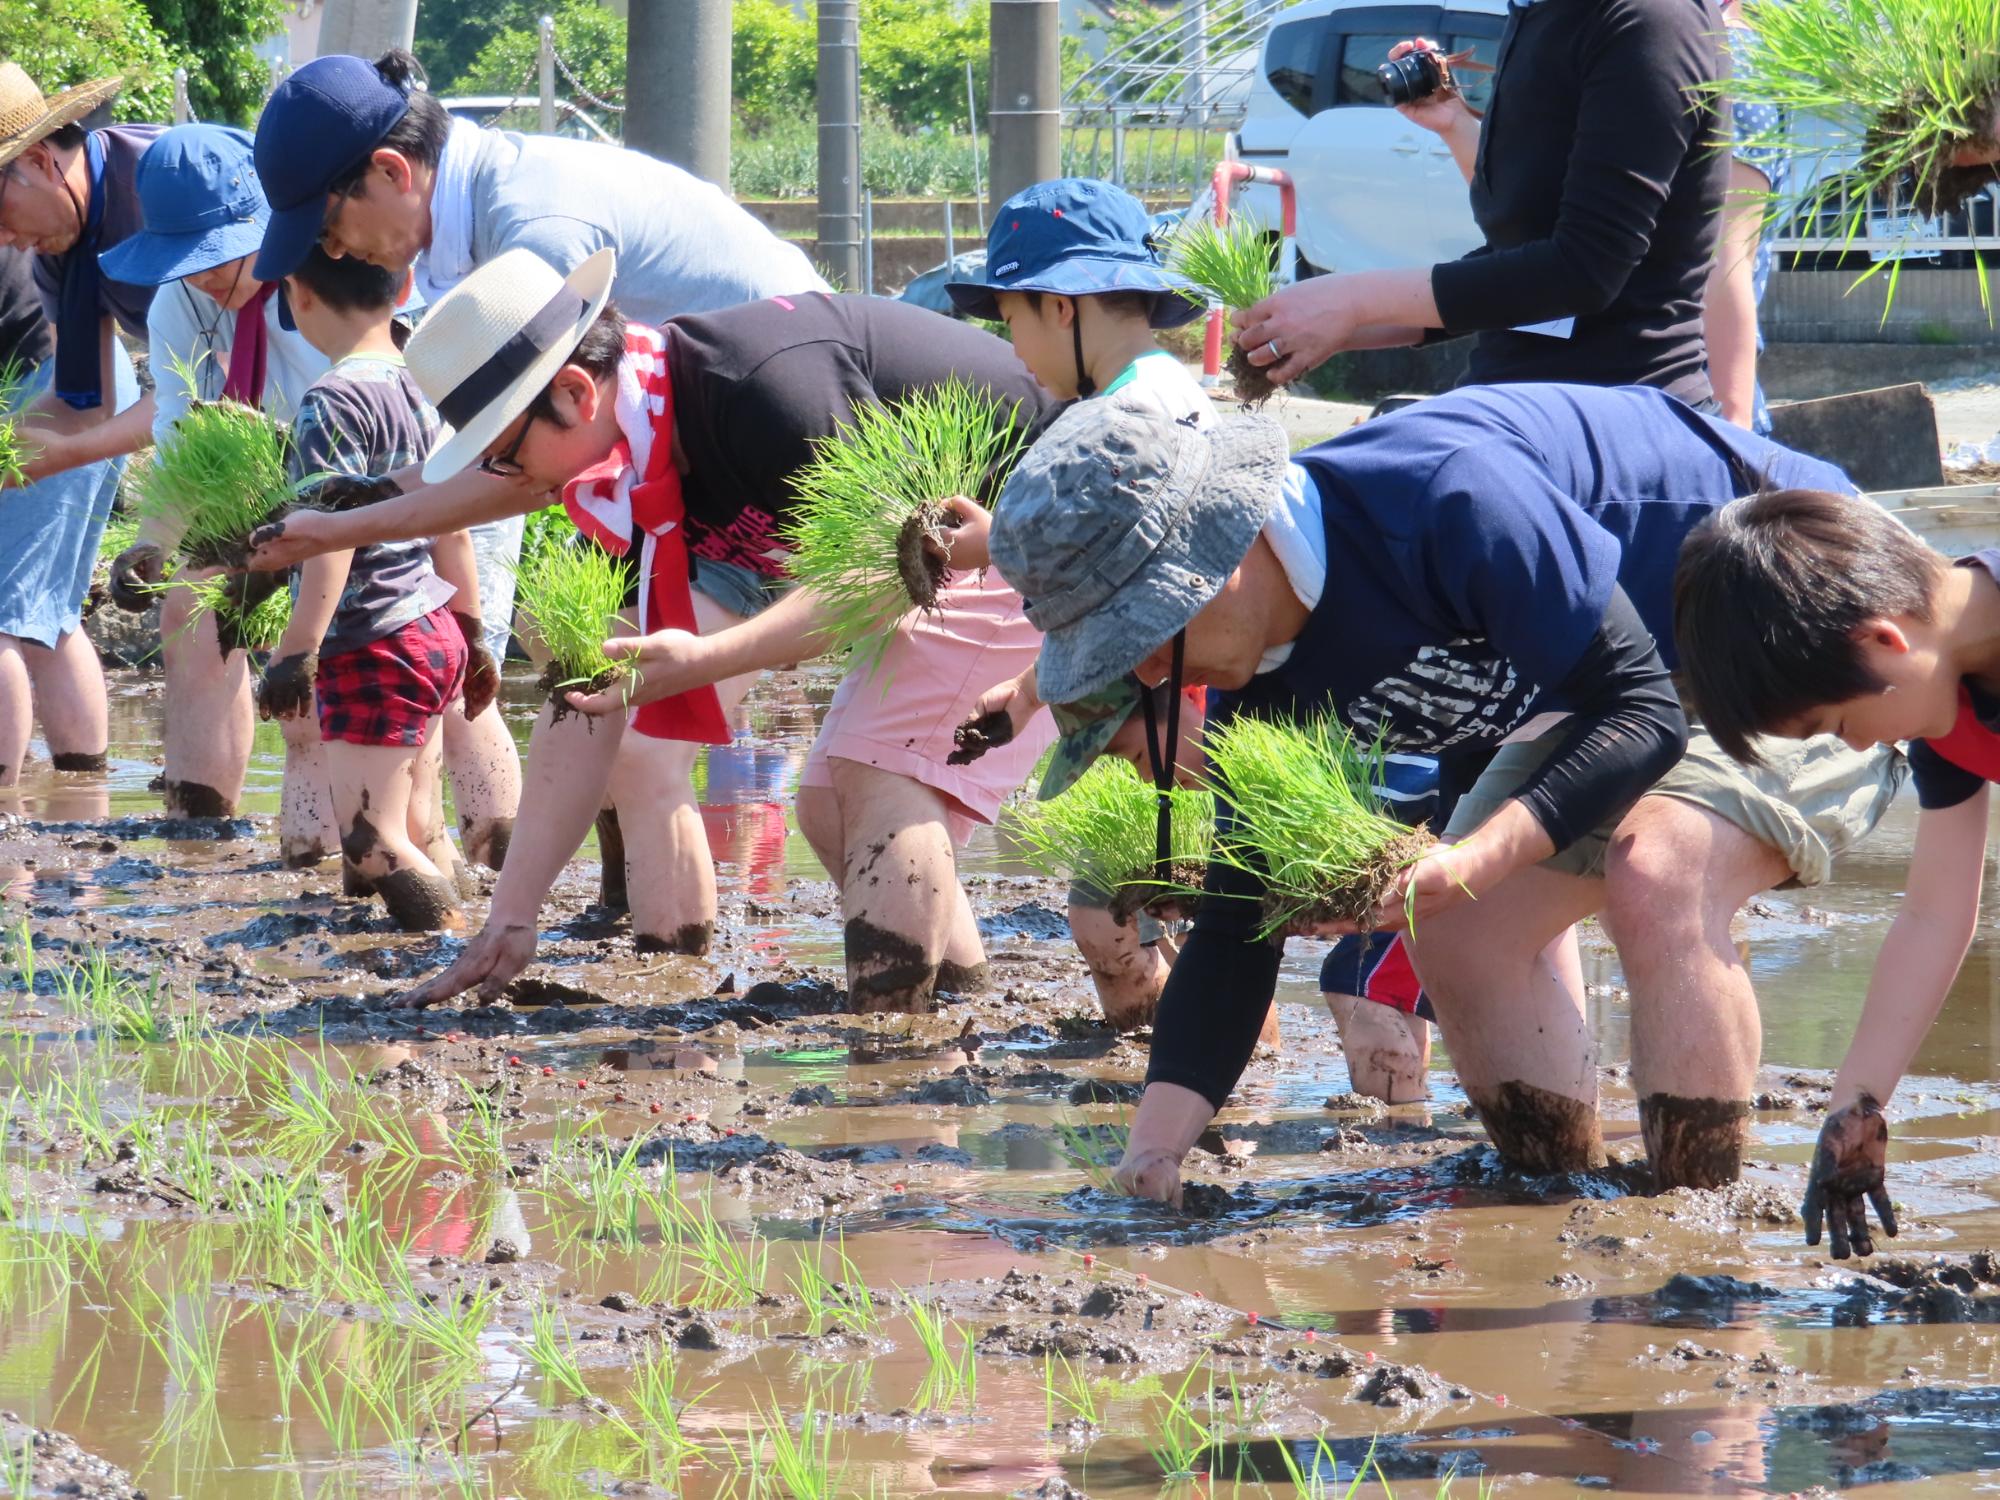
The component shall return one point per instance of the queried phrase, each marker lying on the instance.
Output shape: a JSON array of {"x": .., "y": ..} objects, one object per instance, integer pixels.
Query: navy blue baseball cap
[
  {"x": 202, "y": 203},
  {"x": 1079, "y": 237},
  {"x": 318, "y": 124}
]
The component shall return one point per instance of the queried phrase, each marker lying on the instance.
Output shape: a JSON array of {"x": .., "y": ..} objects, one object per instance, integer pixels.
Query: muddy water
[{"x": 448, "y": 1296}]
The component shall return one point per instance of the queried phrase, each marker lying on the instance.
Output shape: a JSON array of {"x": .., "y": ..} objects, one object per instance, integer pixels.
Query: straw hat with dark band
[{"x": 26, "y": 117}]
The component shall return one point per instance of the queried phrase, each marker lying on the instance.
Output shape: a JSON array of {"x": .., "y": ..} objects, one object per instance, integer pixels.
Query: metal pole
[
  {"x": 972, "y": 124},
  {"x": 181, "y": 112},
  {"x": 1196, "y": 95},
  {"x": 868, "y": 241},
  {"x": 546, "y": 62},
  {"x": 1024, "y": 110},
  {"x": 840, "y": 140},
  {"x": 950, "y": 245},
  {"x": 677, "y": 84}
]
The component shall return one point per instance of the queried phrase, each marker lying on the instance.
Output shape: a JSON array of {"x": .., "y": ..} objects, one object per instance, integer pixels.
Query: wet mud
[
  {"x": 886, "y": 971},
  {"x": 78, "y": 760},
  {"x": 919, "y": 561},
  {"x": 975, "y": 737},
  {"x": 1694, "y": 1143},
  {"x": 1539, "y": 1133},
  {"x": 192, "y": 799},
  {"x": 1252, "y": 386}
]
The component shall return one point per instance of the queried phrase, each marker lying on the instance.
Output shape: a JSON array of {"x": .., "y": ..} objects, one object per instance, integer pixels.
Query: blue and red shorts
[
  {"x": 1376, "y": 966},
  {"x": 391, "y": 691}
]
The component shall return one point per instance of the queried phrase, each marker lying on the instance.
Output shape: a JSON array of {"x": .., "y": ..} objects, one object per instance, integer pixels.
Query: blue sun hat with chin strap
[
  {"x": 203, "y": 205},
  {"x": 1078, "y": 237}
]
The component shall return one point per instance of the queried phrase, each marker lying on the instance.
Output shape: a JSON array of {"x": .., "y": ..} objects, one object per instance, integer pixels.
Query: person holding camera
[{"x": 1595, "y": 179}]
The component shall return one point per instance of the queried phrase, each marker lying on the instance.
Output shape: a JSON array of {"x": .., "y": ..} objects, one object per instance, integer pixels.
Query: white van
[{"x": 1374, "y": 191}]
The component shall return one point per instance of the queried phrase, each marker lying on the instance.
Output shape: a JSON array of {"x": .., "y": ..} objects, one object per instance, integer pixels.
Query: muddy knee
[
  {"x": 1694, "y": 1143},
  {"x": 887, "y": 971},
  {"x": 362, "y": 849},
  {"x": 194, "y": 799},
  {"x": 1537, "y": 1132},
  {"x": 419, "y": 902},
  {"x": 486, "y": 840},
  {"x": 302, "y": 851}
]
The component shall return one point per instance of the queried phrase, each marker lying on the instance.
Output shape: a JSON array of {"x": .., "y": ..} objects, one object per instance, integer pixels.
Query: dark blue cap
[
  {"x": 198, "y": 189},
  {"x": 318, "y": 124},
  {"x": 1079, "y": 237}
]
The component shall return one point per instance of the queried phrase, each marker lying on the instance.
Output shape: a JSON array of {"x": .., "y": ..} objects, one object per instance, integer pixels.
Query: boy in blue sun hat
[{"x": 1074, "y": 271}]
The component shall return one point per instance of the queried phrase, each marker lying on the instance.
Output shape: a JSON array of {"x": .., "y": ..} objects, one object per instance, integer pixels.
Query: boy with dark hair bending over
[
  {"x": 375, "y": 635},
  {"x": 1800, "y": 612}
]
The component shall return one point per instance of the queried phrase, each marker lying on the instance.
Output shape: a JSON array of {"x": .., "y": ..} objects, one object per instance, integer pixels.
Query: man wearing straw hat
[
  {"x": 65, "y": 195},
  {"x": 686, "y": 438},
  {"x": 1481, "y": 577},
  {"x": 361, "y": 158}
]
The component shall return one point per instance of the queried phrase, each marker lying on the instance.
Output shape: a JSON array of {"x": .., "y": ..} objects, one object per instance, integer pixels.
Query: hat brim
[
  {"x": 150, "y": 259},
  {"x": 1230, "y": 480},
  {"x": 289, "y": 238},
  {"x": 458, "y": 448},
  {"x": 71, "y": 105},
  {"x": 1080, "y": 745},
  {"x": 1176, "y": 300}
]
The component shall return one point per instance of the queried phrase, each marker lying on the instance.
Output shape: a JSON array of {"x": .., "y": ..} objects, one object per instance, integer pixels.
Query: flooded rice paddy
[{"x": 677, "y": 1226}]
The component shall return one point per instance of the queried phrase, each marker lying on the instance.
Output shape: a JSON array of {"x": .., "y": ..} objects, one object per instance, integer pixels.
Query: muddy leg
[
  {"x": 1388, "y": 1052},
  {"x": 1675, "y": 878},
  {"x": 1129, "y": 975},
  {"x": 306, "y": 830},
  {"x": 429, "y": 828},
  {"x": 373, "y": 791},
  {"x": 209, "y": 716},
  {"x": 1502, "y": 977},
  {"x": 485, "y": 772},
  {"x": 907, "y": 916},
  {"x": 69, "y": 700},
  {"x": 17, "y": 711}
]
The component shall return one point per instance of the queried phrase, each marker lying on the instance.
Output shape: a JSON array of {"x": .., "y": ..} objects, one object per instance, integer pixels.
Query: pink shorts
[{"x": 900, "y": 716}]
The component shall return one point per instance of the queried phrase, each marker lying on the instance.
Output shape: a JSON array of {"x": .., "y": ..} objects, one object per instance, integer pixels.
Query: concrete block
[{"x": 1886, "y": 439}]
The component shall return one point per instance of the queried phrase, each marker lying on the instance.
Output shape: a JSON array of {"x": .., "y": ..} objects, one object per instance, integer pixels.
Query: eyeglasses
[
  {"x": 505, "y": 465},
  {"x": 329, "y": 224}
]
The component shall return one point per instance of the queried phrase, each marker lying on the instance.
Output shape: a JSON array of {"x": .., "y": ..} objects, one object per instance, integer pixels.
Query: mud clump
[
  {"x": 194, "y": 799},
  {"x": 920, "y": 560},
  {"x": 1718, "y": 1291},
  {"x": 62, "y": 1466},
  {"x": 959, "y": 1089},
  {"x": 975, "y": 737},
  {"x": 1402, "y": 1385},
  {"x": 270, "y": 930},
  {"x": 1942, "y": 1289},
  {"x": 557, "y": 682},
  {"x": 694, "y": 940},
  {"x": 1253, "y": 386},
  {"x": 79, "y": 760}
]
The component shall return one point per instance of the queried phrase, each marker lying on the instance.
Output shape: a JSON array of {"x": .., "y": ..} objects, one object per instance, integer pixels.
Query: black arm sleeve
[
  {"x": 1625, "y": 732},
  {"x": 1219, "y": 990}
]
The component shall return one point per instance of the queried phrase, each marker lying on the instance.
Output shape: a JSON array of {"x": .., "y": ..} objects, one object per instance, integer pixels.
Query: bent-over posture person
[
  {"x": 1803, "y": 612},
  {"x": 1447, "y": 578}
]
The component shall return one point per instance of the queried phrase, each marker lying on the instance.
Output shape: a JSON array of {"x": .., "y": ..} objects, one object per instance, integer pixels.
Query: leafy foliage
[
  {"x": 588, "y": 36},
  {"x": 451, "y": 34},
  {"x": 1299, "y": 810},
  {"x": 64, "y": 42},
  {"x": 227, "y": 80}
]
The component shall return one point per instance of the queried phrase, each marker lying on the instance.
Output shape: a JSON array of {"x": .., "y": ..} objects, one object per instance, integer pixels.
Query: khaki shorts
[{"x": 1811, "y": 800}]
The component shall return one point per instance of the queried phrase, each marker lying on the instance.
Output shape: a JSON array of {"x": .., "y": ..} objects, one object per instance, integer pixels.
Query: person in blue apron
[{"x": 65, "y": 194}]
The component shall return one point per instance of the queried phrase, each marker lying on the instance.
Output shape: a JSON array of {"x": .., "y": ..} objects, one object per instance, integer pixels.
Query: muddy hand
[
  {"x": 287, "y": 541},
  {"x": 999, "y": 714},
  {"x": 285, "y": 691},
  {"x": 245, "y": 592},
  {"x": 1847, "y": 1176},
  {"x": 1154, "y": 1174},
  {"x": 963, "y": 546},
  {"x": 135, "y": 575},
  {"x": 492, "y": 961},
  {"x": 482, "y": 672},
  {"x": 657, "y": 666}
]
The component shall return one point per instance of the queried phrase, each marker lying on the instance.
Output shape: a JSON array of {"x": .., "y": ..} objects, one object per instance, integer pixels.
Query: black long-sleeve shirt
[{"x": 1598, "y": 187}]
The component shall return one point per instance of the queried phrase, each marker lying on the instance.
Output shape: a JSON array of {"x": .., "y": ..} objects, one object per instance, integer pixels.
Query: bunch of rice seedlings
[
  {"x": 222, "y": 476},
  {"x": 1103, "y": 829},
  {"x": 1232, "y": 262},
  {"x": 1911, "y": 86},
  {"x": 258, "y": 628},
  {"x": 574, "y": 590},
  {"x": 1307, "y": 819},
  {"x": 872, "y": 498},
  {"x": 13, "y": 452}
]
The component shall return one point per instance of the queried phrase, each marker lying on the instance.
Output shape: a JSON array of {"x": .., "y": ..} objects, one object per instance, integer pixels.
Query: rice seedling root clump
[
  {"x": 1232, "y": 263},
  {"x": 1305, "y": 818},
  {"x": 919, "y": 560}
]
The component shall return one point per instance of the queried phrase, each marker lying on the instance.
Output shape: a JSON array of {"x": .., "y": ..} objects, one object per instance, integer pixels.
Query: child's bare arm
[{"x": 286, "y": 688}]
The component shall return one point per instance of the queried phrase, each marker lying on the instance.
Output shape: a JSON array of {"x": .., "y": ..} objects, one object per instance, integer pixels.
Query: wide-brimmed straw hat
[
  {"x": 26, "y": 117},
  {"x": 494, "y": 343}
]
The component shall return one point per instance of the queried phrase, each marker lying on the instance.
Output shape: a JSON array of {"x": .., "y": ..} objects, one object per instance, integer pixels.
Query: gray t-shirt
[
  {"x": 684, "y": 246},
  {"x": 364, "y": 418}
]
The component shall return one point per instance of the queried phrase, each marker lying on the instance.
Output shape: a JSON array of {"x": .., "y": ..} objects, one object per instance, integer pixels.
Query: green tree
[
  {"x": 452, "y": 33},
  {"x": 61, "y": 42},
  {"x": 589, "y": 39},
  {"x": 227, "y": 80}
]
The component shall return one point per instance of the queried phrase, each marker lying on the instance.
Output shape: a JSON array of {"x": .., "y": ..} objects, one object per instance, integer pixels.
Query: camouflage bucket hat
[{"x": 1087, "y": 726}]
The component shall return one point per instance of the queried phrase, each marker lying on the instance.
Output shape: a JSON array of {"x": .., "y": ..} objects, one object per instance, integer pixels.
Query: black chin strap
[
  {"x": 1085, "y": 386},
  {"x": 1164, "y": 765}
]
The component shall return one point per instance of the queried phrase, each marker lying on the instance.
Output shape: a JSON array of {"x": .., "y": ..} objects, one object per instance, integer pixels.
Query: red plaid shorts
[{"x": 391, "y": 691}]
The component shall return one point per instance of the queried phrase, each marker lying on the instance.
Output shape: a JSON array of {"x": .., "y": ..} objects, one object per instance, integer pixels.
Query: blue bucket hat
[
  {"x": 319, "y": 123},
  {"x": 1078, "y": 237},
  {"x": 203, "y": 207}
]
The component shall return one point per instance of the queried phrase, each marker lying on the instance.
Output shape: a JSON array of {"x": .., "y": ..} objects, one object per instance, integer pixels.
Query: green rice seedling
[
  {"x": 117, "y": 1006},
  {"x": 1104, "y": 831},
  {"x": 845, "y": 1302},
  {"x": 1181, "y": 1440},
  {"x": 189, "y": 1343},
  {"x": 733, "y": 1270},
  {"x": 550, "y": 1351},
  {"x": 1094, "y": 1150},
  {"x": 1232, "y": 263},
  {"x": 574, "y": 590},
  {"x": 260, "y": 628},
  {"x": 448, "y": 1324},
  {"x": 1307, "y": 820},
  {"x": 951, "y": 1378},
  {"x": 220, "y": 476},
  {"x": 1910, "y": 87},
  {"x": 795, "y": 1468},
  {"x": 1073, "y": 1396},
  {"x": 654, "y": 1395},
  {"x": 871, "y": 505},
  {"x": 480, "y": 1140},
  {"x": 13, "y": 451}
]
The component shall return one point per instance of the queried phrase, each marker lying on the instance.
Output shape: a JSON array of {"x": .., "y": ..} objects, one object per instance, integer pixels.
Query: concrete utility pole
[
  {"x": 840, "y": 141},
  {"x": 677, "y": 84},
  {"x": 1024, "y": 109},
  {"x": 367, "y": 28}
]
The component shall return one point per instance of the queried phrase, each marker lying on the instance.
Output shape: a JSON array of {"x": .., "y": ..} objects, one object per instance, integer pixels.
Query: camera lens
[{"x": 1411, "y": 77}]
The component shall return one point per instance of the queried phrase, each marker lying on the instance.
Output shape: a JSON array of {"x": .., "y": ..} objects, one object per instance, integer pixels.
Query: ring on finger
[{"x": 1276, "y": 352}]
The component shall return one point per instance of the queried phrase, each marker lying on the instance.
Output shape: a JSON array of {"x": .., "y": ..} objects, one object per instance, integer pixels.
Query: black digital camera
[{"x": 1414, "y": 76}]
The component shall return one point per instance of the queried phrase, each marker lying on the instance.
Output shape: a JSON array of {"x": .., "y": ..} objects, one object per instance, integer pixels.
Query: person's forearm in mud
[
  {"x": 1921, "y": 955},
  {"x": 563, "y": 783}
]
